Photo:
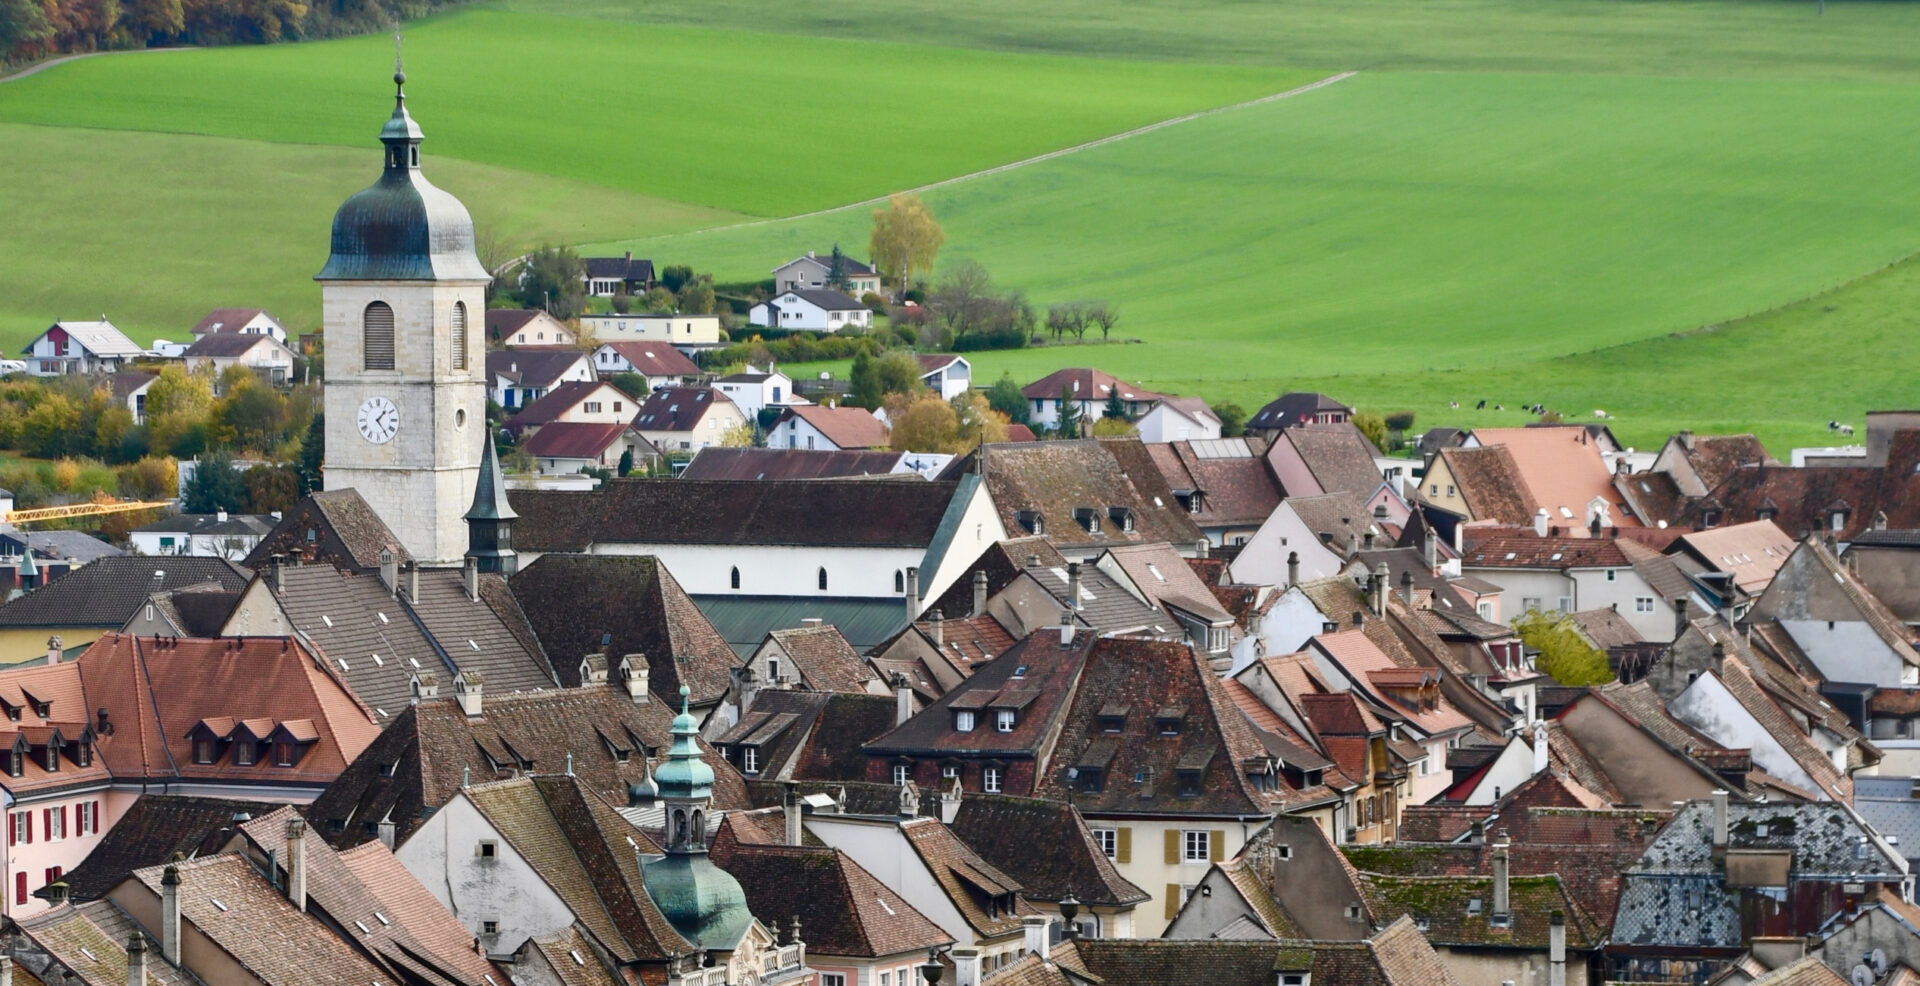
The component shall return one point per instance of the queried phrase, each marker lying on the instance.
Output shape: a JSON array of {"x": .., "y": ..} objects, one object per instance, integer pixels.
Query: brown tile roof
[
  {"x": 575, "y": 440},
  {"x": 157, "y": 690},
  {"x": 561, "y": 399},
  {"x": 1160, "y": 574},
  {"x": 154, "y": 828},
  {"x": 227, "y": 319},
  {"x": 826, "y": 662},
  {"x": 1489, "y": 480},
  {"x": 1562, "y": 468},
  {"x": 440, "y": 936},
  {"x": 256, "y": 924},
  {"x": 605, "y": 844},
  {"x": 1153, "y": 680},
  {"x": 1055, "y": 479},
  {"x": 961, "y": 872},
  {"x": 1395, "y": 956},
  {"x": 91, "y": 941},
  {"x": 1805, "y": 971},
  {"x": 346, "y": 533},
  {"x": 654, "y": 359},
  {"x": 834, "y": 750},
  {"x": 1249, "y": 883},
  {"x": 844, "y": 910},
  {"x": 1332, "y": 517},
  {"x": 846, "y": 427},
  {"x": 1236, "y": 485},
  {"x": 362, "y": 632},
  {"x": 1339, "y": 457},
  {"x": 1558, "y": 553},
  {"x": 1801, "y": 500},
  {"x": 715, "y": 462},
  {"x": 1046, "y": 846},
  {"x": 419, "y": 763},
  {"x": 1606, "y": 628},
  {"x": 973, "y": 640},
  {"x": 574, "y": 960},
  {"x": 1047, "y": 674},
  {"x": 1081, "y": 384},
  {"x": 677, "y": 408},
  {"x": 1715, "y": 457},
  {"x": 1442, "y": 904},
  {"x": 125, "y": 382},
  {"x": 851, "y": 513},
  {"x": 1003, "y": 561},
  {"x": 1752, "y": 552},
  {"x": 106, "y": 592},
  {"x": 574, "y": 602}
]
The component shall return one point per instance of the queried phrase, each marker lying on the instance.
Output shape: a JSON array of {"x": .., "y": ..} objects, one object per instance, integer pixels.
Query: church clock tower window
[
  {"x": 376, "y": 332},
  {"x": 459, "y": 335}
]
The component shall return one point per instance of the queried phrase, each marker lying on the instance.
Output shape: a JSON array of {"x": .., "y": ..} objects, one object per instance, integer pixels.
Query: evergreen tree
[
  {"x": 1004, "y": 396},
  {"x": 1114, "y": 408},
  {"x": 864, "y": 379},
  {"x": 313, "y": 452},
  {"x": 216, "y": 485},
  {"x": 837, "y": 270}
]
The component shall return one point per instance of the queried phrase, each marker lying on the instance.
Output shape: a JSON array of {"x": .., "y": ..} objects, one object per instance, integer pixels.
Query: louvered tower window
[
  {"x": 376, "y": 344},
  {"x": 459, "y": 335}
]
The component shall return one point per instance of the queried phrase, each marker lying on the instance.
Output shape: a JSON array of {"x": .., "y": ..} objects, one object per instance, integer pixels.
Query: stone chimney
[
  {"x": 1540, "y": 522},
  {"x": 1430, "y": 550},
  {"x": 389, "y": 571},
  {"x": 277, "y": 572},
  {"x": 979, "y": 592},
  {"x": 1406, "y": 589},
  {"x": 1073, "y": 586},
  {"x": 1502, "y": 910},
  {"x": 593, "y": 669},
  {"x": 1066, "y": 628},
  {"x": 1353, "y": 543},
  {"x": 470, "y": 576},
  {"x": 136, "y": 959},
  {"x": 1378, "y": 594},
  {"x": 1719, "y": 819},
  {"x": 913, "y": 593},
  {"x": 790, "y": 804},
  {"x": 297, "y": 863},
  {"x": 902, "y": 699},
  {"x": 467, "y": 686},
  {"x": 1557, "y": 947},
  {"x": 54, "y": 649},
  {"x": 170, "y": 914},
  {"x": 1034, "y": 927},
  {"x": 634, "y": 671},
  {"x": 950, "y": 802},
  {"x": 1718, "y": 662},
  {"x": 1366, "y": 539},
  {"x": 1293, "y": 568},
  {"x": 937, "y": 629},
  {"x": 966, "y": 966},
  {"x": 388, "y": 835},
  {"x": 413, "y": 582},
  {"x": 1540, "y": 745}
]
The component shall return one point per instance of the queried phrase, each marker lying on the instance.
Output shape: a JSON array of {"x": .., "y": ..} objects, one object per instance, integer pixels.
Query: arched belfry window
[
  {"x": 459, "y": 335},
  {"x": 823, "y": 578},
  {"x": 376, "y": 336}
]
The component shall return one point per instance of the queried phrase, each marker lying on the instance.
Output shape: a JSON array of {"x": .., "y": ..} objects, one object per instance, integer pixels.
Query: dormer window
[
  {"x": 749, "y": 759},
  {"x": 1122, "y": 518},
  {"x": 246, "y": 754},
  {"x": 1189, "y": 783},
  {"x": 1112, "y": 718},
  {"x": 1088, "y": 518},
  {"x": 205, "y": 750},
  {"x": 1033, "y": 522},
  {"x": 1091, "y": 779},
  {"x": 1004, "y": 720},
  {"x": 1167, "y": 720},
  {"x": 52, "y": 760},
  {"x": 963, "y": 721}
]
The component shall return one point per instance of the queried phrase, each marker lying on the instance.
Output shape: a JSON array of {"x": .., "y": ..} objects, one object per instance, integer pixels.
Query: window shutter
[
  {"x": 1216, "y": 845},
  {"x": 26, "y": 824},
  {"x": 63, "y": 818},
  {"x": 1173, "y": 847},
  {"x": 46, "y": 823},
  {"x": 20, "y": 887},
  {"x": 459, "y": 335},
  {"x": 376, "y": 339},
  {"x": 13, "y": 828},
  {"x": 1173, "y": 901},
  {"x": 1123, "y": 844}
]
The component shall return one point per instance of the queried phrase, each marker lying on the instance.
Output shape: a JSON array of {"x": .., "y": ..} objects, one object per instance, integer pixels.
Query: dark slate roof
[
  {"x": 155, "y": 827},
  {"x": 1057, "y": 478},
  {"x": 1046, "y": 846},
  {"x": 1292, "y": 409},
  {"x": 624, "y": 268},
  {"x": 107, "y": 591},
  {"x": 1003, "y": 561},
  {"x": 402, "y": 228},
  {"x": 715, "y": 462},
  {"x": 1676, "y": 894},
  {"x": 538, "y": 368},
  {"x": 1801, "y": 499},
  {"x": 1082, "y": 384},
  {"x": 832, "y": 301},
  {"x": 677, "y": 408},
  {"x": 843, "y": 909},
  {"x": 1104, "y": 605},
  {"x": 1046, "y": 673},
  {"x": 242, "y": 524},
  {"x": 576, "y": 601},
  {"x": 432, "y": 748},
  {"x": 347, "y": 534},
  {"x": 503, "y": 322},
  {"x": 490, "y": 493},
  {"x": 198, "y": 610},
  {"x": 853, "y": 513},
  {"x": 743, "y": 621},
  {"x": 75, "y": 545}
]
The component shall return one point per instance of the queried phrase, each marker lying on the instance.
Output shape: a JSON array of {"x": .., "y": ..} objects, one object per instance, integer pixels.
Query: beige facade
[
  {"x": 421, "y": 477},
  {"x": 1167, "y": 857}
]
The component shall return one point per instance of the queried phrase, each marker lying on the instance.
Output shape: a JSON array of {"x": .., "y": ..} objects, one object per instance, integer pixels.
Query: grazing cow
[
  {"x": 1833, "y": 426},
  {"x": 1846, "y": 429},
  {"x": 1480, "y": 406},
  {"x": 1601, "y": 414},
  {"x": 1499, "y": 407},
  {"x": 1453, "y": 404}
]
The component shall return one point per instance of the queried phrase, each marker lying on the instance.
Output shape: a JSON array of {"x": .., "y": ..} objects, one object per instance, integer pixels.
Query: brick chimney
[
  {"x": 297, "y": 863},
  {"x": 170, "y": 914}
]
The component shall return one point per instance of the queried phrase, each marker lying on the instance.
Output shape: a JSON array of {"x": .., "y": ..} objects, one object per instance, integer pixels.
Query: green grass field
[{"x": 1512, "y": 200}]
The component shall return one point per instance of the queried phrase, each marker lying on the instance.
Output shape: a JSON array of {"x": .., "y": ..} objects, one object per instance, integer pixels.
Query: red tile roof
[
  {"x": 575, "y": 440},
  {"x": 845, "y": 427},
  {"x": 654, "y": 359}
]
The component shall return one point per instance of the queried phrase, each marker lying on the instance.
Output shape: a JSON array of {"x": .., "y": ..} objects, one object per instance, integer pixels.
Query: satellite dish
[
  {"x": 1879, "y": 962},
  {"x": 1862, "y": 976}
]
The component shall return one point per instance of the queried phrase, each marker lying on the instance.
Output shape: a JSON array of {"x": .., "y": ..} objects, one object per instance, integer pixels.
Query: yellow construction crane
[{"x": 101, "y": 505}]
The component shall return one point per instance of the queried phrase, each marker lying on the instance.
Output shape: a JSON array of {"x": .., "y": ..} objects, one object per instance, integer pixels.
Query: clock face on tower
[{"x": 379, "y": 420}]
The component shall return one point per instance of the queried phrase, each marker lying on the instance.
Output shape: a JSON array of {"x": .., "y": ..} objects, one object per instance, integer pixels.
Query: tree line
[{"x": 34, "y": 29}]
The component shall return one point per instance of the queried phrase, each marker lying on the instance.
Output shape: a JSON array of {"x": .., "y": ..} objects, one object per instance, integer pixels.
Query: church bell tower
[{"x": 404, "y": 302}]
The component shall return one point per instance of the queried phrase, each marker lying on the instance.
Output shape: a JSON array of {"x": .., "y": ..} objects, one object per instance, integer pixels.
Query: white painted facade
[
  {"x": 512, "y": 394},
  {"x": 1574, "y": 589},
  {"x": 951, "y": 380},
  {"x": 812, "y": 270},
  {"x": 541, "y": 330},
  {"x": 1285, "y": 628},
  {"x": 65, "y": 348},
  {"x": 260, "y": 324},
  {"x": 1166, "y": 423},
  {"x": 795, "y": 432},
  {"x": 445, "y": 855},
  {"x": 1263, "y": 559},
  {"x": 422, "y": 479},
  {"x": 607, "y": 361},
  {"x": 1709, "y": 707},
  {"x": 1850, "y": 650},
  {"x": 794, "y": 311},
  {"x": 711, "y": 429},
  {"x": 881, "y": 848},
  {"x": 755, "y": 390},
  {"x": 686, "y": 333},
  {"x": 267, "y": 356}
]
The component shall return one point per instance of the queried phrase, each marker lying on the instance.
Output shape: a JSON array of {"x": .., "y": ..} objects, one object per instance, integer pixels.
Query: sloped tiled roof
[
  {"x": 347, "y": 534},
  {"x": 874, "y": 512},
  {"x": 1562, "y": 468},
  {"x": 228, "y": 345},
  {"x": 1489, "y": 480},
  {"x": 826, "y": 661},
  {"x": 1339, "y": 457},
  {"x": 227, "y": 319},
  {"x": 715, "y": 462},
  {"x": 958, "y": 870},
  {"x": 1293, "y": 409},
  {"x": 154, "y": 828},
  {"x": 1235, "y": 483},
  {"x": 574, "y": 439},
  {"x": 91, "y": 940},
  {"x": 1395, "y": 956},
  {"x": 99, "y": 338},
  {"x": 1057, "y": 478},
  {"x": 1442, "y": 903},
  {"x": 1046, "y": 846},
  {"x": 573, "y": 602},
  {"x": 413, "y": 908},
  {"x": 677, "y": 408},
  {"x": 846, "y": 427},
  {"x": 1082, "y": 384},
  {"x": 1804, "y": 499},
  {"x": 844, "y": 910},
  {"x": 654, "y": 359},
  {"x": 561, "y": 399},
  {"x": 1163, "y": 577},
  {"x": 108, "y": 591},
  {"x": 1606, "y": 628},
  {"x": 1752, "y": 552}
]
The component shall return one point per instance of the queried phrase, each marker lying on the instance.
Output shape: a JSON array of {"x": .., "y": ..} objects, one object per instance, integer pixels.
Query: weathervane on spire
[{"x": 399, "y": 70}]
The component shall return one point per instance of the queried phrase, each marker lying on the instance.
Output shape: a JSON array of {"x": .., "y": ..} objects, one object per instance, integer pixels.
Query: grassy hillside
[
  {"x": 154, "y": 229},
  {"x": 762, "y": 124}
]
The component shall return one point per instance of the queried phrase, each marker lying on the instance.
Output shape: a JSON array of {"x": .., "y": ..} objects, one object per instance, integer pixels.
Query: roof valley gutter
[
  {"x": 140, "y": 655},
  {"x": 406, "y": 606}
]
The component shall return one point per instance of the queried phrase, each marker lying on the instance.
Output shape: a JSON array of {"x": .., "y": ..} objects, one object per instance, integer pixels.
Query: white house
[
  {"x": 811, "y": 309},
  {"x": 245, "y": 321},
  {"x": 604, "y": 277},
  {"x": 516, "y": 328},
  {"x": 591, "y": 402},
  {"x": 754, "y": 389},
  {"x": 261, "y": 353},
  {"x": 661, "y": 364},
  {"x": 814, "y": 271},
  {"x": 566, "y": 447},
  {"x": 1084, "y": 392},
  {"x": 518, "y": 377},
  {"x": 130, "y": 388},
  {"x": 1305, "y": 538},
  {"x": 1179, "y": 419},
  {"x": 812, "y": 426},
  {"x": 1567, "y": 575},
  {"x": 946, "y": 374},
  {"x": 80, "y": 347},
  {"x": 687, "y": 333},
  {"x": 215, "y": 535}
]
